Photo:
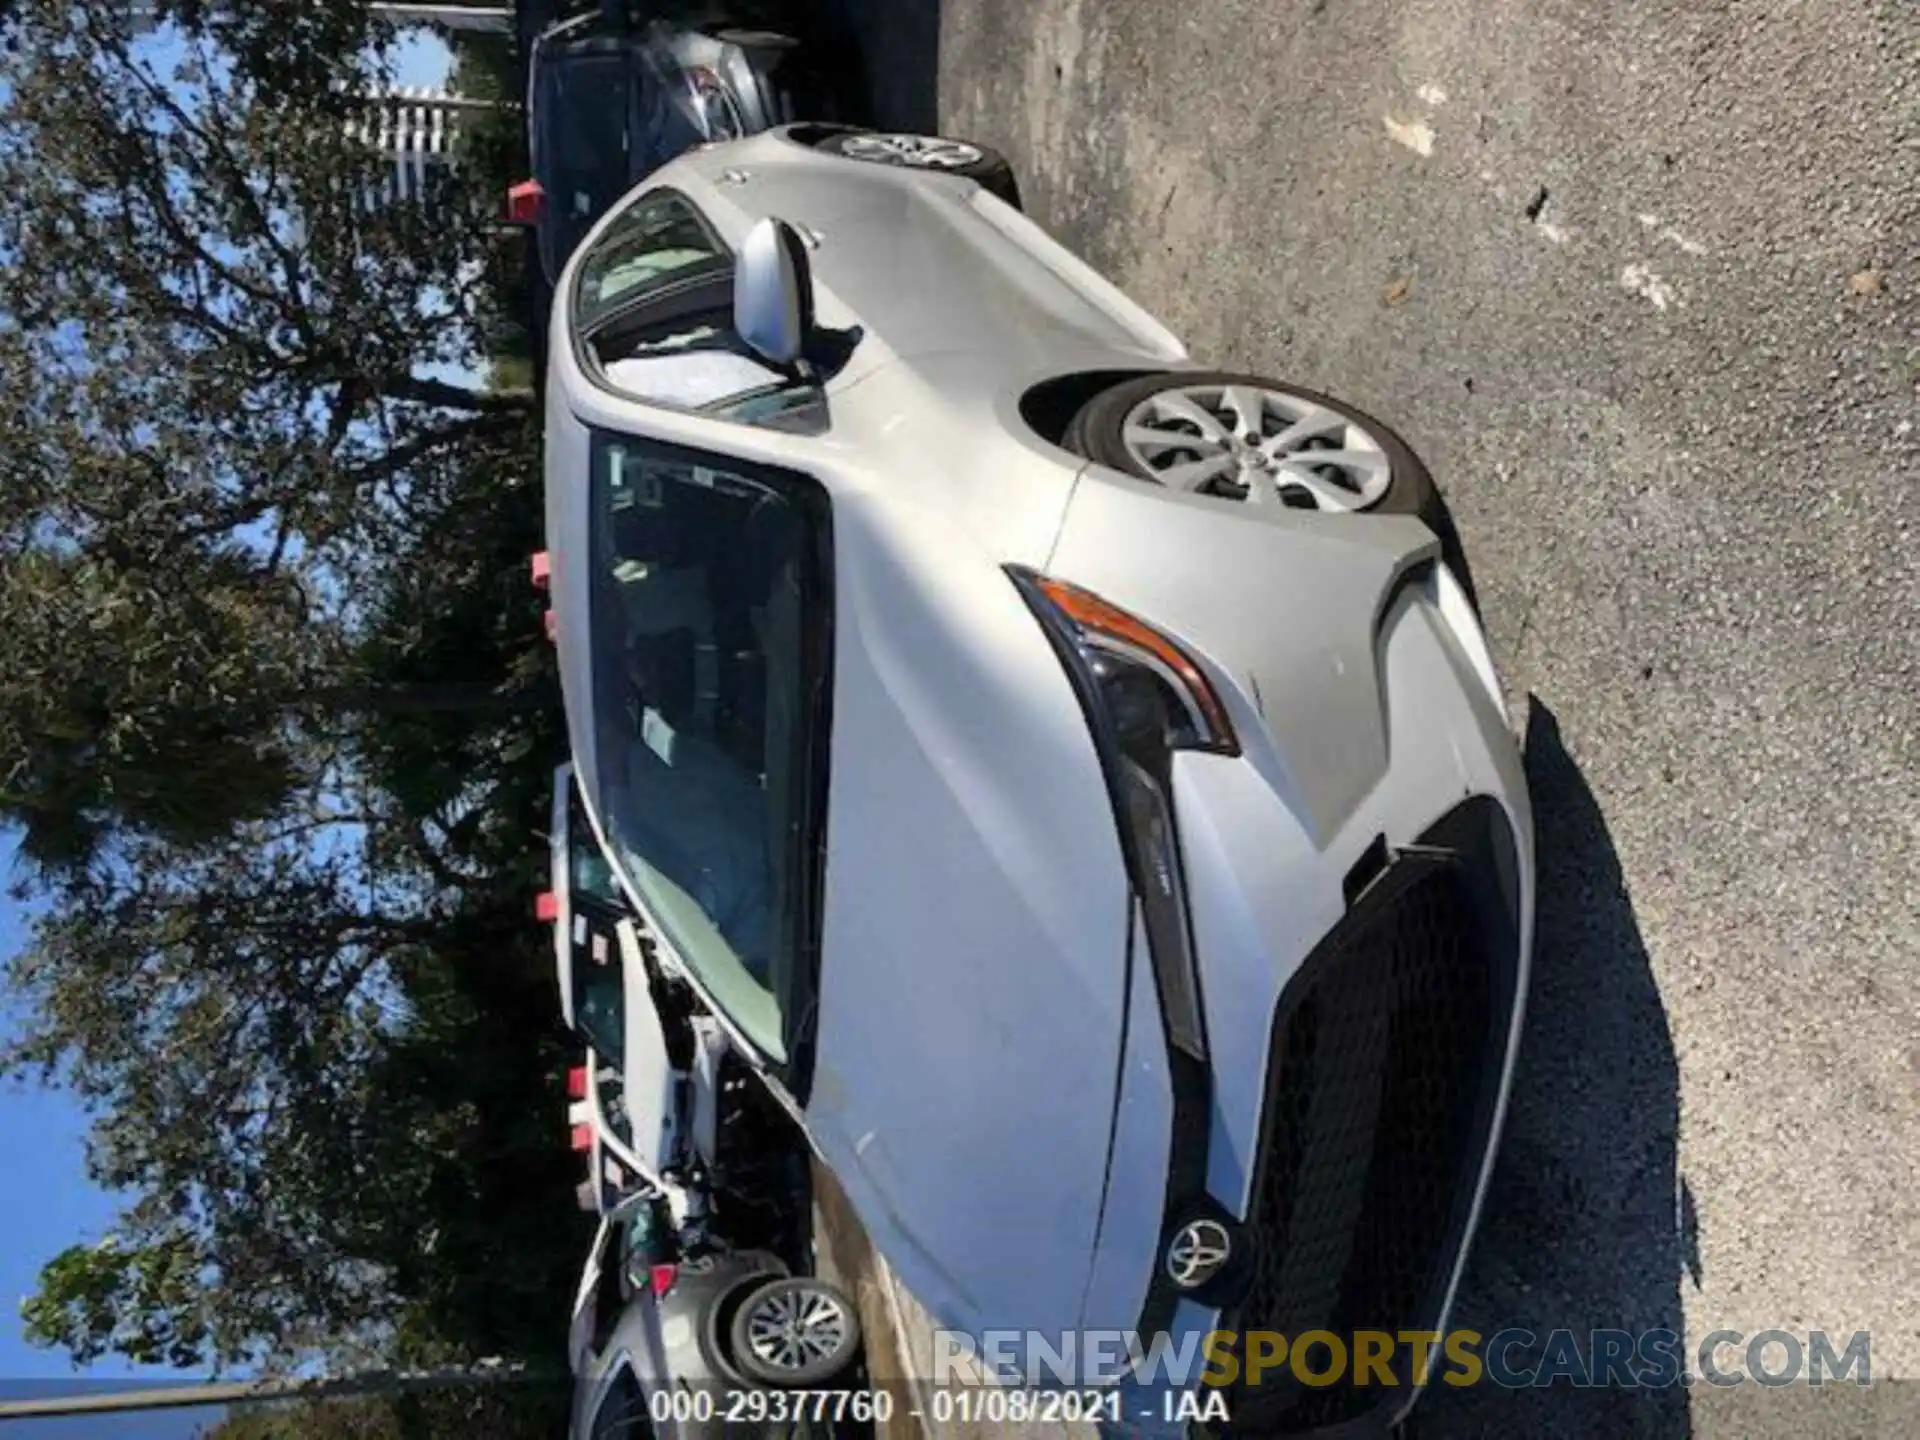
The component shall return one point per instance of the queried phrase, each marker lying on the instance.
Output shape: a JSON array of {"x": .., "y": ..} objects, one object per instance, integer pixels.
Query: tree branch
[
  {"x": 445, "y": 395},
  {"x": 424, "y": 698},
  {"x": 398, "y": 457}
]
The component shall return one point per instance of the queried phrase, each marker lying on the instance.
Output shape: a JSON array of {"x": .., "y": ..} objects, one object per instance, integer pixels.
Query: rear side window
[
  {"x": 658, "y": 241},
  {"x": 653, "y": 309},
  {"x": 623, "y": 1409}
]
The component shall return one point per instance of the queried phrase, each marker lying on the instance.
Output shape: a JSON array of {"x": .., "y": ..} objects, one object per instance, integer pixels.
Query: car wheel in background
[
  {"x": 755, "y": 39},
  {"x": 1262, "y": 442},
  {"x": 794, "y": 1332},
  {"x": 928, "y": 152},
  {"x": 799, "y": 87}
]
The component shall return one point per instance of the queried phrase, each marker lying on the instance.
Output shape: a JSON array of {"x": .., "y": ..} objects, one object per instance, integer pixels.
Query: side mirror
[{"x": 773, "y": 294}]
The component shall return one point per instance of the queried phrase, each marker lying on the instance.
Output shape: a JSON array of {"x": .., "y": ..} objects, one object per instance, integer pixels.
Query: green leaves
[
  {"x": 223, "y": 407},
  {"x": 140, "y": 698},
  {"x": 279, "y": 717},
  {"x": 143, "y": 1303}
]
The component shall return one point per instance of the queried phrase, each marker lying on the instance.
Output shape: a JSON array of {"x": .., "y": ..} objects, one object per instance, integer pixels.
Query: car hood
[
  {"x": 973, "y": 970},
  {"x": 929, "y": 266}
]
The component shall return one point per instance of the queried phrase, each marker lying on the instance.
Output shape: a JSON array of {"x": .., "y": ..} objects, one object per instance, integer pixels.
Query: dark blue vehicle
[{"x": 616, "y": 92}]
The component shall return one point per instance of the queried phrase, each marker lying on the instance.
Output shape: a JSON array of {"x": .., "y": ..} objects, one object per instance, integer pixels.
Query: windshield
[{"x": 709, "y": 637}]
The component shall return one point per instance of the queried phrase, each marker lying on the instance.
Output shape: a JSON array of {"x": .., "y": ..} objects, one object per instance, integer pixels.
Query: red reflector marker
[
  {"x": 546, "y": 907},
  {"x": 581, "y": 1138},
  {"x": 663, "y": 1278},
  {"x": 524, "y": 202},
  {"x": 542, "y": 570},
  {"x": 577, "y": 1083}
]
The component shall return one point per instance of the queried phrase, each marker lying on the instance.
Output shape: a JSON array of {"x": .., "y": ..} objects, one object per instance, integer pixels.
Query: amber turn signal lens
[{"x": 1105, "y": 620}]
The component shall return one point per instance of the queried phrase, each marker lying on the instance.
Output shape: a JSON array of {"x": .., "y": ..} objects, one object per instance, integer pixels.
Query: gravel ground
[{"x": 1642, "y": 283}]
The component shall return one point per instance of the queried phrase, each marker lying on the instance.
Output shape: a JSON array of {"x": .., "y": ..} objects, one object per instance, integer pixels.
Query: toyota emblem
[{"x": 1199, "y": 1251}]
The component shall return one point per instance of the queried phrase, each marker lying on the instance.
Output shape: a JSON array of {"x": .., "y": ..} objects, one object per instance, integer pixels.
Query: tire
[
  {"x": 989, "y": 169},
  {"x": 802, "y": 88},
  {"x": 754, "y": 1335},
  {"x": 1095, "y": 433},
  {"x": 756, "y": 39}
]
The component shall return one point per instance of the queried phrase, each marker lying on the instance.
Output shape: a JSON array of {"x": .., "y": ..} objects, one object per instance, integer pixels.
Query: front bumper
[
  {"x": 1376, "y": 1104},
  {"x": 1362, "y": 955},
  {"x": 1387, "y": 1070}
]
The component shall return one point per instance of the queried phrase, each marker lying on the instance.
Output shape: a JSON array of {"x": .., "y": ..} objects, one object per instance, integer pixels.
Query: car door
[
  {"x": 620, "y": 1333},
  {"x": 652, "y": 308},
  {"x": 929, "y": 264},
  {"x": 583, "y": 1324},
  {"x": 647, "y": 316},
  {"x": 578, "y": 133},
  {"x": 620, "y": 1408}
]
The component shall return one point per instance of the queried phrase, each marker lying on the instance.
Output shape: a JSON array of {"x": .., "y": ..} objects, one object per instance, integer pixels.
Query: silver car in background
[
  {"x": 654, "y": 1320},
  {"x": 667, "y": 1303}
]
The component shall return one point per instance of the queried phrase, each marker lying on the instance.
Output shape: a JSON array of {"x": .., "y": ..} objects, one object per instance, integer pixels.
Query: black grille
[{"x": 1385, "y": 1059}]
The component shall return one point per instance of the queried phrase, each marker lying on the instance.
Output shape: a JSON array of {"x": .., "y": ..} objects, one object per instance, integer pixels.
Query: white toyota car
[{"x": 1077, "y": 779}]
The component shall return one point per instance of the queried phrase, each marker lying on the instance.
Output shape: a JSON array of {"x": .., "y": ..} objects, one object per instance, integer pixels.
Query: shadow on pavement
[
  {"x": 887, "y": 59},
  {"x": 1587, "y": 1225}
]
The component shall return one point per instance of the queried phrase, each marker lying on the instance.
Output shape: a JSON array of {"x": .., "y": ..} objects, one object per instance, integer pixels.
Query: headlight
[
  {"x": 713, "y": 105},
  {"x": 1144, "y": 698}
]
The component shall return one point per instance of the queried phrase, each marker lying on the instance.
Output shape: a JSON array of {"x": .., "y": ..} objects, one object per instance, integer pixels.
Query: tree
[
  {"x": 338, "y": 1118},
  {"x": 138, "y": 1303},
  {"x": 279, "y": 713},
  {"x": 139, "y": 691},
  {"x": 214, "y": 356},
  {"x": 309, "y": 1039},
  {"x": 512, "y": 1410}
]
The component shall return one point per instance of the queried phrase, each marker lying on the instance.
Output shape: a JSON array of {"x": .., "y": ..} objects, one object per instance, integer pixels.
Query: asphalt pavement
[{"x": 1642, "y": 283}]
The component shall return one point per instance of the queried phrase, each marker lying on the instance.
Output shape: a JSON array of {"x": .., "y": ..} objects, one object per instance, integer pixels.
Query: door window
[{"x": 654, "y": 312}]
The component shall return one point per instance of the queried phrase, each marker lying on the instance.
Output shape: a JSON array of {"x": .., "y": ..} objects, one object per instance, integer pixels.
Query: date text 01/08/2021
[{"x": 996, "y": 1405}]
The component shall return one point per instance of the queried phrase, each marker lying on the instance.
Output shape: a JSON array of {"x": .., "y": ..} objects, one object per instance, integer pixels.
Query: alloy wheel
[
  {"x": 791, "y": 1329},
  {"x": 1262, "y": 446},
  {"x": 929, "y": 152}
]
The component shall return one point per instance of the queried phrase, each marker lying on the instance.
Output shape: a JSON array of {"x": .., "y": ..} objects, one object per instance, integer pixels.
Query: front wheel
[
  {"x": 987, "y": 167},
  {"x": 794, "y": 1333},
  {"x": 1261, "y": 442}
]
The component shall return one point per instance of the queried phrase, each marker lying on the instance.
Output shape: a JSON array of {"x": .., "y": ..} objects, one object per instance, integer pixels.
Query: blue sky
[{"x": 46, "y": 1201}]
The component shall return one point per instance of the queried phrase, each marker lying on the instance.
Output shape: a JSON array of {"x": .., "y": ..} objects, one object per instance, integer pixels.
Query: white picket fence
[
  {"x": 418, "y": 128},
  {"x": 487, "y": 19}
]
